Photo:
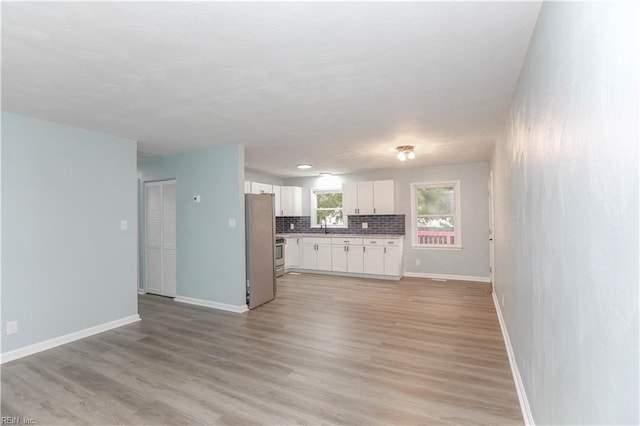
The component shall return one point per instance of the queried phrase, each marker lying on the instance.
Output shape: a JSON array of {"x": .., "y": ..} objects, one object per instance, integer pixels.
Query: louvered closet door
[
  {"x": 169, "y": 239},
  {"x": 160, "y": 238}
]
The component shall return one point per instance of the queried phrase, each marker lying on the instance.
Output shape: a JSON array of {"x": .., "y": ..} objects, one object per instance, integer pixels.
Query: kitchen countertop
[{"x": 330, "y": 235}]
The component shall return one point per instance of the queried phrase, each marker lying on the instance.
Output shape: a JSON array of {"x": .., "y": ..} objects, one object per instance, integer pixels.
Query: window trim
[
  {"x": 313, "y": 207},
  {"x": 458, "y": 215}
]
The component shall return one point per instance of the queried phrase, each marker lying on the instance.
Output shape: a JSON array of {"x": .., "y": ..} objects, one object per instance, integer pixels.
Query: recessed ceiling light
[
  {"x": 304, "y": 166},
  {"x": 326, "y": 174}
]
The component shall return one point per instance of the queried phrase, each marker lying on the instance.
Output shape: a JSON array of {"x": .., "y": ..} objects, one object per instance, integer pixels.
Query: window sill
[{"x": 423, "y": 247}]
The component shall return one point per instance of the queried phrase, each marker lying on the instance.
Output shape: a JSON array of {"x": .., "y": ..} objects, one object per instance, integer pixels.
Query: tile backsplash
[{"x": 393, "y": 224}]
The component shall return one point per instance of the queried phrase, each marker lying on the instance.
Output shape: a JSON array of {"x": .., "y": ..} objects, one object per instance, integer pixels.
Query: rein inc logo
[{"x": 7, "y": 420}]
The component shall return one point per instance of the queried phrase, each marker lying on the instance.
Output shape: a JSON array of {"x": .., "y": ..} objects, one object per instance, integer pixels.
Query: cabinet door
[
  {"x": 365, "y": 197},
  {"x": 291, "y": 253},
  {"x": 373, "y": 260},
  {"x": 355, "y": 259},
  {"x": 277, "y": 200},
  {"x": 291, "y": 200},
  {"x": 296, "y": 201},
  {"x": 324, "y": 257},
  {"x": 392, "y": 261},
  {"x": 350, "y": 198},
  {"x": 338, "y": 259},
  {"x": 309, "y": 257},
  {"x": 261, "y": 188},
  {"x": 384, "y": 201}
]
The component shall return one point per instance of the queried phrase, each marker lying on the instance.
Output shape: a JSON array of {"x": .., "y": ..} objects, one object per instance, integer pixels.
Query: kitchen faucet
[{"x": 323, "y": 221}]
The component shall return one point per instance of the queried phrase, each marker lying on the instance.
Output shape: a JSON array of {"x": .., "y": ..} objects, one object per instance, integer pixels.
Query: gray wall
[
  {"x": 566, "y": 214},
  {"x": 210, "y": 254},
  {"x": 67, "y": 266},
  {"x": 473, "y": 260}
]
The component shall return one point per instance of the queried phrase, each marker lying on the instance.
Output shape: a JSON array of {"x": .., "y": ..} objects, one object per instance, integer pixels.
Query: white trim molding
[
  {"x": 211, "y": 304},
  {"x": 444, "y": 277},
  {"x": 142, "y": 291},
  {"x": 67, "y": 338},
  {"x": 522, "y": 394}
]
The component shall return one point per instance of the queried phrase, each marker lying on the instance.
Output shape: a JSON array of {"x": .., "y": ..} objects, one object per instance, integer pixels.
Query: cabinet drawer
[
  {"x": 392, "y": 242},
  {"x": 346, "y": 241},
  {"x": 312, "y": 241},
  {"x": 373, "y": 242}
]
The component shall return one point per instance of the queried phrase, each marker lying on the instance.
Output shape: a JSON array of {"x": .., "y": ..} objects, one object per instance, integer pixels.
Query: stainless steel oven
[{"x": 279, "y": 256}]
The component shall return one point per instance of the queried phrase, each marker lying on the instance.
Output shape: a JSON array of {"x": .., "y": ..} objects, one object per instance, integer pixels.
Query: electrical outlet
[
  {"x": 12, "y": 327},
  {"x": 365, "y": 225},
  {"x": 292, "y": 226},
  {"x": 124, "y": 225},
  {"x": 502, "y": 300},
  {"x": 417, "y": 262},
  {"x": 196, "y": 198}
]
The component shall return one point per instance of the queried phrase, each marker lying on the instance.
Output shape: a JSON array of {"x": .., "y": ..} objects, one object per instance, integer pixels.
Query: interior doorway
[{"x": 160, "y": 237}]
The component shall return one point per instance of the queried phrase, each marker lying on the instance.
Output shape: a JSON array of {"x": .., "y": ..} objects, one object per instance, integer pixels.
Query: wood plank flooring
[{"x": 328, "y": 350}]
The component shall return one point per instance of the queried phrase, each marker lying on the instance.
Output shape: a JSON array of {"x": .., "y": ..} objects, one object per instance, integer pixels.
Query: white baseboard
[
  {"x": 142, "y": 291},
  {"x": 447, "y": 277},
  {"x": 67, "y": 338},
  {"x": 210, "y": 304},
  {"x": 346, "y": 274},
  {"x": 522, "y": 394}
]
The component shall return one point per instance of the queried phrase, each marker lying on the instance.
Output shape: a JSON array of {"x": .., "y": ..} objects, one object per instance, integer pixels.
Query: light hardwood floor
[{"x": 328, "y": 350}]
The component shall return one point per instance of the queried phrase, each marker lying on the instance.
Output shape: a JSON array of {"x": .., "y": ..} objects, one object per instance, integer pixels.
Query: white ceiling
[{"x": 338, "y": 85}]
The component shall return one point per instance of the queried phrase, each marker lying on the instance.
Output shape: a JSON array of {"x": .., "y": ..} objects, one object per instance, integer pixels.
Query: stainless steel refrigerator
[{"x": 260, "y": 228}]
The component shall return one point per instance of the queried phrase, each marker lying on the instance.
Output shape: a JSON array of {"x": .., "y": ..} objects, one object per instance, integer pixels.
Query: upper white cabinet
[
  {"x": 287, "y": 199},
  {"x": 261, "y": 188},
  {"x": 290, "y": 201},
  {"x": 366, "y": 198}
]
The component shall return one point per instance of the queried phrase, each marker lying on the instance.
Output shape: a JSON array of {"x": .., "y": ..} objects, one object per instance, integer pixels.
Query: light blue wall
[
  {"x": 210, "y": 254},
  {"x": 566, "y": 214},
  {"x": 473, "y": 259},
  {"x": 66, "y": 265}
]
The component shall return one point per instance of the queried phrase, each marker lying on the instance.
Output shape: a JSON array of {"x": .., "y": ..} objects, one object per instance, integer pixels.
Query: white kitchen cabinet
[
  {"x": 261, "y": 188},
  {"x": 373, "y": 260},
  {"x": 292, "y": 252},
  {"x": 383, "y": 256},
  {"x": 316, "y": 254},
  {"x": 347, "y": 255},
  {"x": 366, "y": 198},
  {"x": 392, "y": 261},
  {"x": 384, "y": 197},
  {"x": 277, "y": 200},
  {"x": 287, "y": 200},
  {"x": 290, "y": 201}
]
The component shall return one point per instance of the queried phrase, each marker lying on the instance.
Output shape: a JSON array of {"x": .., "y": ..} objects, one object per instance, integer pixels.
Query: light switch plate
[
  {"x": 196, "y": 198},
  {"x": 292, "y": 226},
  {"x": 232, "y": 222},
  {"x": 124, "y": 225},
  {"x": 365, "y": 225},
  {"x": 12, "y": 327}
]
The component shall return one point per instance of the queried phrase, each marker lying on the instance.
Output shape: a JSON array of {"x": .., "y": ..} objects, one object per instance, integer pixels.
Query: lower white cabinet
[
  {"x": 383, "y": 256},
  {"x": 292, "y": 252},
  {"x": 347, "y": 255},
  {"x": 368, "y": 256},
  {"x": 316, "y": 254}
]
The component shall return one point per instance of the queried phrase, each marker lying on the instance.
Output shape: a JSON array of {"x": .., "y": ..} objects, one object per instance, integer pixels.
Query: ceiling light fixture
[
  {"x": 326, "y": 174},
  {"x": 304, "y": 166},
  {"x": 405, "y": 151}
]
